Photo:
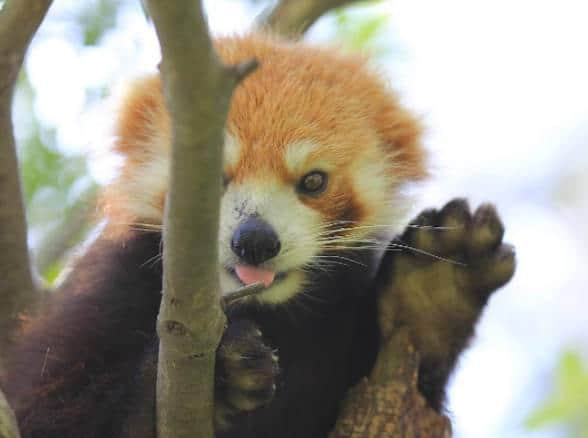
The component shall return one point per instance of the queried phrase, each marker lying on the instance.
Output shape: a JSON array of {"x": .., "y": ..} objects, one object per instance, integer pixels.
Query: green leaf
[{"x": 568, "y": 404}]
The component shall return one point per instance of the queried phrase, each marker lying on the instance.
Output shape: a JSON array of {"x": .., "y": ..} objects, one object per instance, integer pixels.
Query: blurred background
[{"x": 502, "y": 87}]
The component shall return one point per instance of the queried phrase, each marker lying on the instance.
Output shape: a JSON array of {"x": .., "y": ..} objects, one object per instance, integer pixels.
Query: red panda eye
[{"x": 313, "y": 183}]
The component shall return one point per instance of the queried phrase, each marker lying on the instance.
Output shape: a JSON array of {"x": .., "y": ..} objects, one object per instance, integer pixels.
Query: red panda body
[{"x": 316, "y": 154}]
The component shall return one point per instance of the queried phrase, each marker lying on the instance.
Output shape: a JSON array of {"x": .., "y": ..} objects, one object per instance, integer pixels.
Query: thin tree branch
[
  {"x": 191, "y": 321},
  {"x": 19, "y": 21},
  {"x": 291, "y": 18},
  {"x": 242, "y": 293}
]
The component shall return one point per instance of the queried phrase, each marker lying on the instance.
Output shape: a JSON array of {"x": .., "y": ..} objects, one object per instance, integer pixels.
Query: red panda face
[
  {"x": 317, "y": 150},
  {"x": 279, "y": 220}
]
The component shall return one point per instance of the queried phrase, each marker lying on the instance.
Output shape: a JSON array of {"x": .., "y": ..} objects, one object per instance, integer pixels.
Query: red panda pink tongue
[{"x": 250, "y": 274}]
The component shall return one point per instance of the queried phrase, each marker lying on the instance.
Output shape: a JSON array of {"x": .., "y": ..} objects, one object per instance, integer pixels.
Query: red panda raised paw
[{"x": 441, "y": 271}]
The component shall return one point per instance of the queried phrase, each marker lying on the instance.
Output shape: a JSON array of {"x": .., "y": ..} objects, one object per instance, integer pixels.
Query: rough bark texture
[
  {"x": 291, "y": 18},
  {"x": 191, "y": 322},
  {"x": 388, "y": 404}
]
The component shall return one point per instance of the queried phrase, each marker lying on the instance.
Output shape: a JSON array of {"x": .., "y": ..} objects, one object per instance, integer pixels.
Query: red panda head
[{"x": 316, "y": 152}]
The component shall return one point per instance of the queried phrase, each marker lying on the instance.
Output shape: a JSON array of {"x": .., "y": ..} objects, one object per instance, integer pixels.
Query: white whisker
[{"x": 435, "y": 256}]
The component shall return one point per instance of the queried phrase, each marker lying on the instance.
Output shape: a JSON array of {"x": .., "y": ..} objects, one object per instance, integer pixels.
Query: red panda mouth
[{"x": 248, "y": 274}]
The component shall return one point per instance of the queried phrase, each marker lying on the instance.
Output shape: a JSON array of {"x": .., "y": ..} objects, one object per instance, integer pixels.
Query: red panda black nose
[{"x": 255, "y": 241}]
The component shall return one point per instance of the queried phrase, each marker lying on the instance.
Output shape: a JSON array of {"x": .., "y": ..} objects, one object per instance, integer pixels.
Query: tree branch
[
  {"x": 197, "y": 88},
  {"x": 388, "y": 403},
  {"x": 291, "y": 18},
  {"x": 19, "y": 21}
]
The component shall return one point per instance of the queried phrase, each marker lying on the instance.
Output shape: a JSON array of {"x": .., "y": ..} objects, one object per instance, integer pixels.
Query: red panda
[{"x": 317, "y": 151}]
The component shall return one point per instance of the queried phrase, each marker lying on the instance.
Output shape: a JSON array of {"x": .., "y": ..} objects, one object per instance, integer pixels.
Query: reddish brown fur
[
  {"x": 339, "y": 203},
  {"x": 316, "y": 94},
  {"x": 298, "y": 93}
]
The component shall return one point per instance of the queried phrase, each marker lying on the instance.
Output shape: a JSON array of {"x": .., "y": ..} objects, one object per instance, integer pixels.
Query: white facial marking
[
  {"x": 146, "y": 186},
  {"x": 285, "y": 289},
  {"x": 150, "y": 179},
  {"x": 232, "y": 150},
  {"x": 299, "y": 226},
  {"x": 295, "y": 224},
  {"x": 373, "y": 181},
  {"x": 297, "y": 158},
  {"x": 297, "y": 155}
]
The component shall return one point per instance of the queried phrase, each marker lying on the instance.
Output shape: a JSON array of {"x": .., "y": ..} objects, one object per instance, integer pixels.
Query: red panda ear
[
  {"x": 143, "y": 123},
  {"x": 402, "y": 133}
]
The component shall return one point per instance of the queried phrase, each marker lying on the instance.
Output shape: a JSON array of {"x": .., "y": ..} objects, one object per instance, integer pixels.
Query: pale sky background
[{"x": 502, "y": 86}]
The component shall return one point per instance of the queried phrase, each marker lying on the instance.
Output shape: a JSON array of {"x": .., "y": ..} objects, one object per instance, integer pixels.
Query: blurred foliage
[
  {"x": 359, "y": 28},
  {"x": 47, "y": 175},
  {"x": 55, "y": 183},
  {"x": 359, "y": 32},
  {"x": 95, "y": 18},
  {"x": 568, "y": 404},
  {"x": 51, "y": 274}
]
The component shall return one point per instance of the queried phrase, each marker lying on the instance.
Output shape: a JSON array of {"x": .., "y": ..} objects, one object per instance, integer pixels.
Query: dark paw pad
[{"x": 246, "y": 369}]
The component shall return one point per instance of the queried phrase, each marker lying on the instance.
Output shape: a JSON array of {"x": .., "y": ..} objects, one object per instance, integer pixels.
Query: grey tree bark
[{"x": 19, "y": 21}]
